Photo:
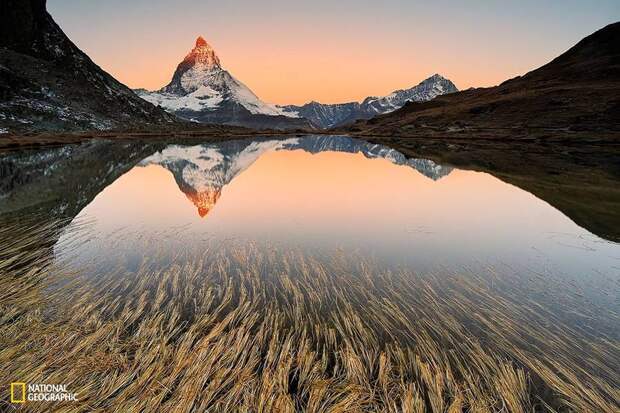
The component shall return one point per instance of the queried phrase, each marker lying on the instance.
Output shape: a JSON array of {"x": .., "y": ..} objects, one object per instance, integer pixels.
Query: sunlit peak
[
  {"x": 200, "y": 42},
  {"x": 205, "y": 200}
]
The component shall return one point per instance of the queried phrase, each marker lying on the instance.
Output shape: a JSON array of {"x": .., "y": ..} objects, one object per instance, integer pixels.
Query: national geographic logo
[
  {"x": 40, "y": 392},
  {"x": 18, "y": 392}
]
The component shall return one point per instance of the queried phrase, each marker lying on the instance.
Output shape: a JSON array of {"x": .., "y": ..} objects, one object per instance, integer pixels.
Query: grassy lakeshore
[{"x": 247, "y": 328}]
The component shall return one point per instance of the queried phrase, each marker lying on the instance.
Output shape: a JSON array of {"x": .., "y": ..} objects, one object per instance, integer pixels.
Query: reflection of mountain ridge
[
  {"x": 55, "y": 184},
  {"x": 42, "y": 190},
  {"x": 201, "y": 171}
]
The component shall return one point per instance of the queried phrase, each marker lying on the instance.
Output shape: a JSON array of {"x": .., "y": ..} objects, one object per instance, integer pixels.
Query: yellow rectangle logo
[{"x": 18, "y": 392}]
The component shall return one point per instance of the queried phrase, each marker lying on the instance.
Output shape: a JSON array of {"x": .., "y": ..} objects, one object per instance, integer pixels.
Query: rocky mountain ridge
[
  {"x": 202, "y": 91},
  {"x": 334, "y": 115},
  {"x": 48, "y": 84}
]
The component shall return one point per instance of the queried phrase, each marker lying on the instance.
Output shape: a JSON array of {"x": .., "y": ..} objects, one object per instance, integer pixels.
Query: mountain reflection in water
[
  {"x": 201, "y": 171},
  {"x": 327, "y": 194},
  {"x": 332, "y": 193}
]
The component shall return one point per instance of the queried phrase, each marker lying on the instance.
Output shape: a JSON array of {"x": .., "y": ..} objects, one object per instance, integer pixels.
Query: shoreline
[{"x": 488, "y": 137}]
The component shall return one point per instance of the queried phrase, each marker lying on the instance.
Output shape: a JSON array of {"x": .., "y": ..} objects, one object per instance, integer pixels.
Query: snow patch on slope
[
  {"x": 241, "y": 94},
  {"x": 204, "y": 167},
  {"x": 203, "y": 98},
  {"x": 208, "y": 90}
]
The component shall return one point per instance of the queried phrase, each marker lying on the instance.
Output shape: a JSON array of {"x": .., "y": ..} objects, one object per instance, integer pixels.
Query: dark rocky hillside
[
  {"x": 575, "y": 94},
  {"x": 48, "y": 84}
]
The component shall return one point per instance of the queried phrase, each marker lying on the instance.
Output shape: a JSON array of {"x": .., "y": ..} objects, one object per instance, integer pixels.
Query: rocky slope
[
  {"x": 333, "y": 115},
  {"x": 202, "y": 91},
  {"x": 576, "y": 94},
  {"x": 48, "y": 84}
]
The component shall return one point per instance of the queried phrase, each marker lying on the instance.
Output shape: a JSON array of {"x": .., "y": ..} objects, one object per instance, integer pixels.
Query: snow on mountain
[
  {"x": 427, "y": 89},
  {"x": 332, "y": 115},
  {"x": 202, "y": 98},
  {"x": 202, "y": 90},
  {"x": 327, "y": 115},
  {"x": 202, "y": 171}
]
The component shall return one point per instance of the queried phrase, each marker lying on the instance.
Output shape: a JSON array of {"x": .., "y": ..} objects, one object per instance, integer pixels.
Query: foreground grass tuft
[{"x": 248, "y": 328}]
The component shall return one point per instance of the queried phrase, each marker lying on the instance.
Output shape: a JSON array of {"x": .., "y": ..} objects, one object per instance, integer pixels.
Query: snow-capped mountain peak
[
  {"x": 204, "y": 55},
  {"x": 201, "y": 42},
  {"x": 426, "y": 90},
  {"x": 196, "y": 70},
  {"x": 202, "y": 90}
]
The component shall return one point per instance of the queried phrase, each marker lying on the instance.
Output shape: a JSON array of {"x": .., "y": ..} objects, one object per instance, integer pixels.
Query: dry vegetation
[{"x": 247, "y": 328}]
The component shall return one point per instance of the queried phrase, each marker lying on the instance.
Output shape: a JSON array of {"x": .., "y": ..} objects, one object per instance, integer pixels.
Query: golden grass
[{"x": 249, "y": 328}]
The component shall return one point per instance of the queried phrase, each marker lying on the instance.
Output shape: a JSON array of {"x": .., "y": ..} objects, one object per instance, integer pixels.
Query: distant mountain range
[
  {"x": 333, "y": 115},
  {"x": 576, "y": 95},
  {"x": 201, "y": 171},
  {"x": 202, "y": 91},
  {"x": 47, "y": 83}
]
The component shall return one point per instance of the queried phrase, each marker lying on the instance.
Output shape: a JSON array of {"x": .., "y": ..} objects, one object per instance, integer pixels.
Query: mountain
[
  {"x": 327, "y": 115},
  {"x": 202, "y": 91},
  {"x": 576, "y": 94},
  {"x": 334, "y": 115},
  {"x": 47, "y": 83},
  {"x": 201, "y": 171}
]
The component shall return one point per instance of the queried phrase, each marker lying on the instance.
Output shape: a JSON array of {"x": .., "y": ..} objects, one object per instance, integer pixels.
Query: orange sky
[{"x": 293, "y": 52}]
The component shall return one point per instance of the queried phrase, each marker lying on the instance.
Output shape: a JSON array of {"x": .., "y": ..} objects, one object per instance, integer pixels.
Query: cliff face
[{"x": 48, "y": 83}]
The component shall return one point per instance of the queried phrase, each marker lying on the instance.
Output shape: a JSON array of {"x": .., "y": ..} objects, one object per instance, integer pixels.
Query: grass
[{"x": 243, "y": 327}]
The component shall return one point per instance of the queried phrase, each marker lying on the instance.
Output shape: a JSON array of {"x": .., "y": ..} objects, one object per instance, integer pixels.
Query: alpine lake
[{"x": 307, "y": 273}]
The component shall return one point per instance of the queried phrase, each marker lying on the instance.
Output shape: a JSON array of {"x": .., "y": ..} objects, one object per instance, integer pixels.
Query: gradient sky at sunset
[{"x": 331, "y": 51}]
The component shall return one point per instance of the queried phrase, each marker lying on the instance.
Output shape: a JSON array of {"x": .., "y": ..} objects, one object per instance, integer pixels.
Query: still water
[{"x": 338, "y": 195}]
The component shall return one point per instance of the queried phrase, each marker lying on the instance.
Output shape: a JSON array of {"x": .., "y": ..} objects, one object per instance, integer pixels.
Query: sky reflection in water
[{"x": 188, "y": 198}]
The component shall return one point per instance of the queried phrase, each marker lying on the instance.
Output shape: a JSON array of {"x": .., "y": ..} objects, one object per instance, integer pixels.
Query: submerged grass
[{"x": 248, "y": 328}]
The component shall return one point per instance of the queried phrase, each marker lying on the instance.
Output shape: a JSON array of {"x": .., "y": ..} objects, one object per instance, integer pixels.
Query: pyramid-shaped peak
[
  {"x": 201, "y": 42},
  {"x": 436, "y": 77},
  {"x": 202, "y": 54}
]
